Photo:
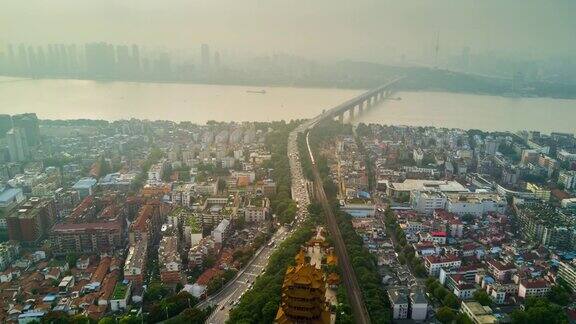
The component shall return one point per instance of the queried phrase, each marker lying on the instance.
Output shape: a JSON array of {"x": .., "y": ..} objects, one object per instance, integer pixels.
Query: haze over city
[
  {"x": 287, "y": 162},
  {"x": 371, "y": 30}
]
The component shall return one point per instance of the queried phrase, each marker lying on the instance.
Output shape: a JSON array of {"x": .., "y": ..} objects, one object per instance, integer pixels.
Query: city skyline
[{"x": 374, "y": 29}]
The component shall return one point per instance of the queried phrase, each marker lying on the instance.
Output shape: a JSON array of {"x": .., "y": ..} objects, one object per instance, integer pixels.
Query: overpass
[{"x": 360, "y": 103}]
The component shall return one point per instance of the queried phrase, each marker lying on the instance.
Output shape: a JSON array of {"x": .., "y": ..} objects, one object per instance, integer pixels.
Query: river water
[
  {"x": 468, "y": 111},
  {"x": 69, "y": 99}
]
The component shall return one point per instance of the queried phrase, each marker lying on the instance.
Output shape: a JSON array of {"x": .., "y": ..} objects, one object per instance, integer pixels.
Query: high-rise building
[
  {"x": 31, "y": 221},
  {"x": 17, "y": 145},
  {"x": 5, "y": 124},
  {"x": 567, "y": 272},
  {"x": 22, "y": 58},
  {"x": 135, "y": 59},
  {"x": 205, "y": 49},
  {"x": 29, "y": 124},
  {"x": 491, "y": 146},
  {"x": 100, "y": 59},
  {"x": 216, "y": 59},
  {"x": 465, "y": 58}
]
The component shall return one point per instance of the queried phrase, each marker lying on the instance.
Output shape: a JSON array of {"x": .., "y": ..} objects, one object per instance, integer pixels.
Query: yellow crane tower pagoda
[{"x": 303, "y": 295}]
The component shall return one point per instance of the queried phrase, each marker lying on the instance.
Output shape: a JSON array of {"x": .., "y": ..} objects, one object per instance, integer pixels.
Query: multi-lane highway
[
  {"x": 231, "y": 293},
  {"x": 227, "y": 298}
]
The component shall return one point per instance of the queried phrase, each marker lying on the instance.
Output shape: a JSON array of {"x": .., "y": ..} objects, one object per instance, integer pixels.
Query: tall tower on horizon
[
  {"x": 436, "y": 49},
  {"x": 205, "y": 56},
  {"x": 17, "y": 145}
]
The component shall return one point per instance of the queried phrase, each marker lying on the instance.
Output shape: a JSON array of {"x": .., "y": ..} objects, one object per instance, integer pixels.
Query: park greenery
[
  {"x": 277, "y": 142},
  {"x": 260, "y": 304},
  {"x": 539, "y": 310},
  {"x": 155, "y": 155},
  {"x": 362, "y": 261},
  {"x": 221, "y": 280},
  {"x": 406, "y": 253},
  {"x": 178, "y": 308}
]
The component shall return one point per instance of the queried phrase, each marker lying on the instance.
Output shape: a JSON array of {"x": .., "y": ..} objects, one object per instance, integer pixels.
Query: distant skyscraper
[
  {"x": 29, "y": 125},
  {"x": 205, "y": 56},
  {"x": 17, "y": 145},
  {"x": 100, "y": 59},
  {"x": 41, "y": 60},
  {"x": 5, "y": 124},
  {"x": 22, "y": 58},
  {"x": 217, "y": 59},
  {"x": 11, "y": 55},
  {"x": 465, "y": 57},
  {"x": 136, "y": 58},
  {"x": 72, "y": 57}
]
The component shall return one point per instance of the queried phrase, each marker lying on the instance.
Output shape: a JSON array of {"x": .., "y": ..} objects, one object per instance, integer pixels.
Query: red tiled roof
[
  {"x": 63, "y": 227},
  {"x": 207, "y": 276},
  {"x": 540, "y": 283},
  {"x": 499, "y": 265},
  {"x": 102, "y": 270},
  {"x": 144, "y": 215},
  {"x": 442, "y": 259},
  {"x": 82, "y": 207}
]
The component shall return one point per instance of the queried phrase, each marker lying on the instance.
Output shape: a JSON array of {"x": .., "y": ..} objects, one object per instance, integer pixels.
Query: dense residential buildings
[
  {"x": 131, "y": 204},
  {"x": 170, "y": 260},
  {"x": 482, "y": 212},
  {"x": 135, "y": 265},
  {"x": 118, "y": 212}
]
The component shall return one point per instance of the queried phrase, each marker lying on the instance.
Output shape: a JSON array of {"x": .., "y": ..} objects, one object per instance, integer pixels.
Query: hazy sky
[{"x": 356, "y": 29}]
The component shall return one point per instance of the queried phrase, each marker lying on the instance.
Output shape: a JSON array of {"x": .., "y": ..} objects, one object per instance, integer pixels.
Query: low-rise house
[
  {"x": 399, "y": 301},
  {"x": 135, "y": 265},
  {"x": 501, "y": 272},
  {"x": 434, "y": 263},
  {"x": 477, "y": 313},
  {"x": 170, "y": 262},
  {"x": 121, "y": 296},
  {"x": 534, "y": 288},
  {"x": 66, "y": 284},
  {"x": 418, "y": 304}
]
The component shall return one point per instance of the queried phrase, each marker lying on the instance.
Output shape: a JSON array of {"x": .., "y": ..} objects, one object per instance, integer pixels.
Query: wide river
[{"x": 69, "y": 99}]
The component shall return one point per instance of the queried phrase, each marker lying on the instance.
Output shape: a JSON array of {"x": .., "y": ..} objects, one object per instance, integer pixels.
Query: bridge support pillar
[
  {"x": 361, "y": 108},
  {"x": 341, "y": 118},
  {"x": 351, "y": 113}
]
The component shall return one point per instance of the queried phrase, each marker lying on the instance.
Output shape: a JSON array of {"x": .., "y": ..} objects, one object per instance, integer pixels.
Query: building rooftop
[
  {"x": 398, "y": 295},
  {"x": 8, "y": 195},
  {"x": 85, "y": 183},
  {"x": 136, "y": 255},
  {"x": 422, "y": 185},
  {"x": 120, "y": 291}
]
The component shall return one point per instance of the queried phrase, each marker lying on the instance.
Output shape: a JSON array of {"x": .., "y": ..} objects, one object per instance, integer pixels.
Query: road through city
[{"x": 230, "y": 294}]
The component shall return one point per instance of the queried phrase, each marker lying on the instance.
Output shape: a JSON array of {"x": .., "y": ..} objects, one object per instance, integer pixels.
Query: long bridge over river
[
  {"x": 364, "y": 101},
  {"x": 360, "y": 103}
]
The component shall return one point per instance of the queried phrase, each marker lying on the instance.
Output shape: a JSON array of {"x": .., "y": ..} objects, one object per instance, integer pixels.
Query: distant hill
[{"x": 350, "y": 74}]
